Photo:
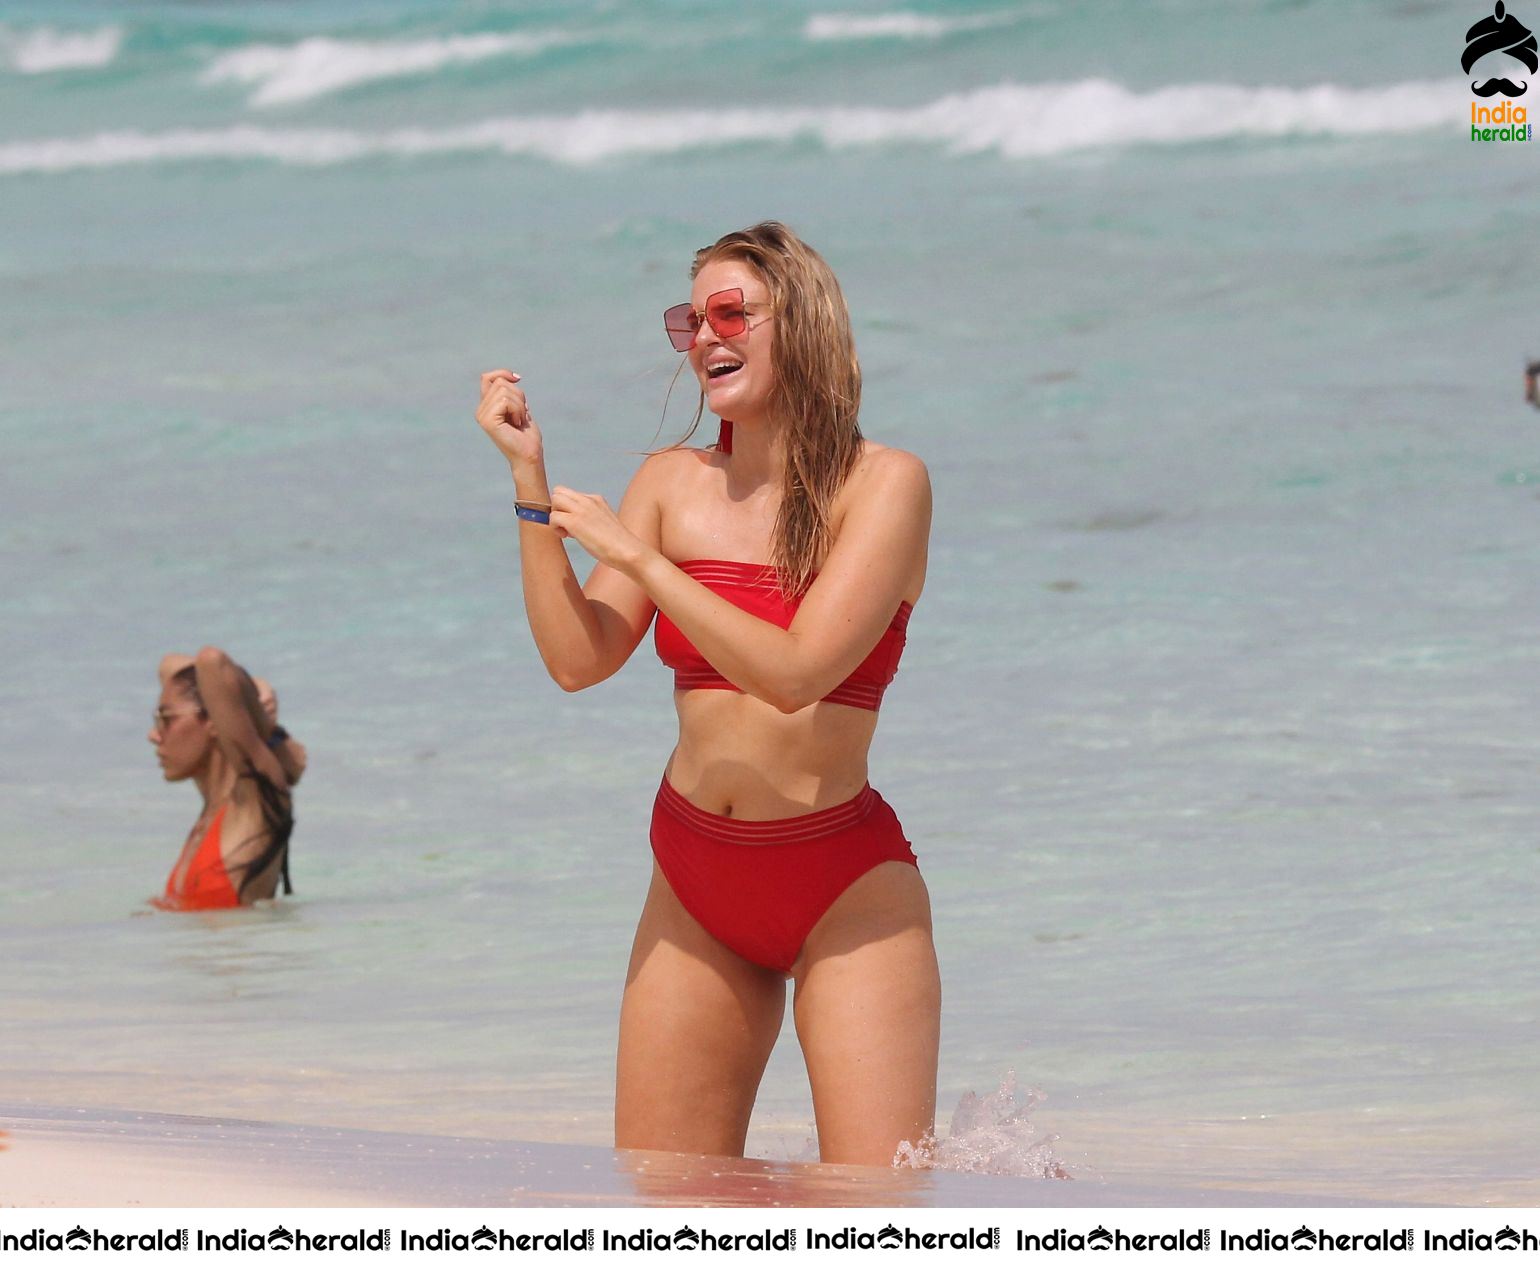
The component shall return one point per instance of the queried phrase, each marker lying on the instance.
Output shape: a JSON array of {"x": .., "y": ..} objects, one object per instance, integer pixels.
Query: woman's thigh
[
  {"x": 697, "y": 1024},
  {"x": 868, "y": 1010}
]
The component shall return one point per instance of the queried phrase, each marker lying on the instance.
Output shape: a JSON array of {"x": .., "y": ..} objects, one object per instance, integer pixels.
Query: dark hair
[
  {"x": 278, "y": 817},
  {"x": 276, "y": 804},
  {"x": 185, "y": 680}
]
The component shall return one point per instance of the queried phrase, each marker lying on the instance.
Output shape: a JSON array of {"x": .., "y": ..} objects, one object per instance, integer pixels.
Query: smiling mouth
[{"x": 723, "y": 370}]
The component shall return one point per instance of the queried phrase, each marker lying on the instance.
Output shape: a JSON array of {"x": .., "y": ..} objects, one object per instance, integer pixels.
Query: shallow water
[
  {"x": 96, "y": 1158},
  {"x": 1214, "y": 734}
]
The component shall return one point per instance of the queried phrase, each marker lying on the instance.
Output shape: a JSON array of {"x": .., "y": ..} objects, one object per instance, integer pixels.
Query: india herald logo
[{"x": 1500, "y": 33}]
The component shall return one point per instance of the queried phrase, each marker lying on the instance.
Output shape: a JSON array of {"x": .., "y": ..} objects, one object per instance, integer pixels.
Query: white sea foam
[
  {"x": 990, "y": 1135},
  {"x": 39, "y": 51},
  {"x": 1011, "y": 120},
  {"x": 312, "y": 68},
  {"x": 892, "y": 26}
]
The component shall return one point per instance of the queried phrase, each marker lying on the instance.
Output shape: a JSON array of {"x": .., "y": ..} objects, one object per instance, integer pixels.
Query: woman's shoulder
[
  {"x": 677, "y": 462},
  {"x": 887, "y": 471},
  {"x": 888, "y": 457},
  {"x": 886, "y": 482},
  {"x": 674, "y": 475}
]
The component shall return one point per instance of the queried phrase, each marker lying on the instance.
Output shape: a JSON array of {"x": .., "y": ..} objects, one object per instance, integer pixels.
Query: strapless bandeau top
[{"x": 755, "y": 589}]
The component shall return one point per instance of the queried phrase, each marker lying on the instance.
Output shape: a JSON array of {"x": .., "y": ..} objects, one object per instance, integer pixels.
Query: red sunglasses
[{"x": 725, "y": 311}]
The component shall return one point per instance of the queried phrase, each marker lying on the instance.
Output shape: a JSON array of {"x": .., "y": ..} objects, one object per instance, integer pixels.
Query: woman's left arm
[
  {"x": 873, "y": 563},
  {"x": 230, "y": 698},
  {"x": 171, "y": 664}
]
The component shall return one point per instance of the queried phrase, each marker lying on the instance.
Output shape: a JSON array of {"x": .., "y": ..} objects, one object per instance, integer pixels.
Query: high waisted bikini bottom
[{"x": 760, "y": 885}]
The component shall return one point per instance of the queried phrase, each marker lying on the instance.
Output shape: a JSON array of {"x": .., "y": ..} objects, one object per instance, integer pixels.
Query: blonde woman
[{"x": 782, "y": 565}]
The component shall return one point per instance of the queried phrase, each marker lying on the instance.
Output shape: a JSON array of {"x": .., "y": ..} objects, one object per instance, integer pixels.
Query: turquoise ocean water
[{"x": 1215, "y": 734}]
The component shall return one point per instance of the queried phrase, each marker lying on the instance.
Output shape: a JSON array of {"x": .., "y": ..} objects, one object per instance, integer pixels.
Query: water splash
[{"x": 991, "y": 1135}]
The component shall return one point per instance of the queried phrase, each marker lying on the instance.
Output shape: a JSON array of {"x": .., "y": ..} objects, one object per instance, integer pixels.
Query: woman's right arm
[
  {"x": 291, "y": 754},
  {"x": 584, "y": 633}
]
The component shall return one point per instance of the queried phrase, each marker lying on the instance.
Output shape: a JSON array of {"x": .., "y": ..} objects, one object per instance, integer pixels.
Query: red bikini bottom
[{"x": 758, "y": 886}]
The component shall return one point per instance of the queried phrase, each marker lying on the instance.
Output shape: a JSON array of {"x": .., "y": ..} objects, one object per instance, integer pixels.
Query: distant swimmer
[
  {"x": 1531, "y": 375},
  {"x": 781, "y": 564},
  {"x": 211, "y": 726}
]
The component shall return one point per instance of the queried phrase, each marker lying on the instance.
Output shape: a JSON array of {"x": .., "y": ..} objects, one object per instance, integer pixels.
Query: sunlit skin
[
  {"x": 182, "y": 738},
  {"x": 743, "y": 395},
  {"x": 291, "y": 754},
  {"x": 697, "y": 1021}
]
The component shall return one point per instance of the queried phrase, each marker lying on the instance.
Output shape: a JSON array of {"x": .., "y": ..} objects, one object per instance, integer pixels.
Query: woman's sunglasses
[
  {"x": 162, "y": 718},
  {"x": 725, "y": 311}
]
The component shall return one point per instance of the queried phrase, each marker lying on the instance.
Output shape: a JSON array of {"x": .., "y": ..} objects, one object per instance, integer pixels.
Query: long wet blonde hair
[{"x": 816, "y": 397}]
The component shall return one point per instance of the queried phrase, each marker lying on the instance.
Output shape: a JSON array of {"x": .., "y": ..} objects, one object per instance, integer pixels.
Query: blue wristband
[{"x": 532, "y": 515}]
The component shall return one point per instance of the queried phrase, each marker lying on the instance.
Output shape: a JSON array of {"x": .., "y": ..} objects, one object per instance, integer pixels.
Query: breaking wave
[
  {"x": 40, "y": 51},
  {"x": 892, "y": 26},
  {"x": 1011, "y": 120},
  {"x": 283, "y": 74}
]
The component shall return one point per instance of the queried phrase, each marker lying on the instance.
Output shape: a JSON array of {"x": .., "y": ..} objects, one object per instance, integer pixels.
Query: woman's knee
[
  {"x": 870, "y": 1028},
  {"x": 868, "y": 1013}
]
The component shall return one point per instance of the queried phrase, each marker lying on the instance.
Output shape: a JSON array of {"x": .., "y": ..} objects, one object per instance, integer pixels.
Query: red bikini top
[
  {"x": 754, "y": 588},
  {"x": 205, "y": 884}
]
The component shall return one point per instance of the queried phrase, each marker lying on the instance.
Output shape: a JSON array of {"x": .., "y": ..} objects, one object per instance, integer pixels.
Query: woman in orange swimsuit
[
  {"x": 211, "y": 727},
  {"x": 782, "y": 565}
]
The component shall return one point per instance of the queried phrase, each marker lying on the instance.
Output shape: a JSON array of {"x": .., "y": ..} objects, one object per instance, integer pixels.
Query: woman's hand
[
  {"x": 268, "y": 699},
  {"x": 588, "y": 519},
  {"x": 504, "y": 416}
]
